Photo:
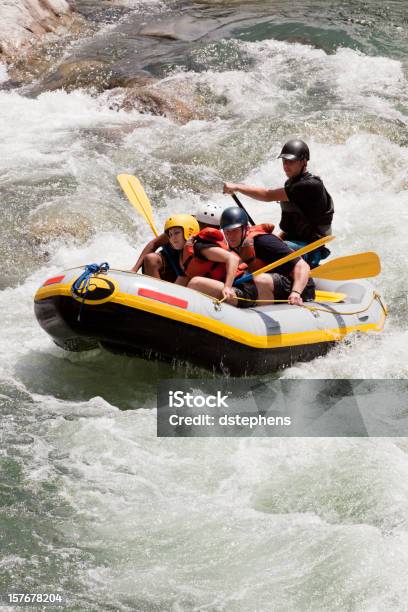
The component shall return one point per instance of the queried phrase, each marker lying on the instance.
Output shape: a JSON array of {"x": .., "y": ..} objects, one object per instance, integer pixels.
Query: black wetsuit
[{"x": 308, "y": 214}]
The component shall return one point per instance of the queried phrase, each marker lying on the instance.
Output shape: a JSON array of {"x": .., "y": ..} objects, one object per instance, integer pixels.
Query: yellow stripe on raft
[{"x": 222, "y": 329}]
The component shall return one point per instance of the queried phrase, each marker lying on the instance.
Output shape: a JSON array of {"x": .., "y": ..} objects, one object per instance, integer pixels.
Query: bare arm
[
  {"x": 300, "y": 274},
  {"x": 150, "y": 247},
  {"x": 258, "y": 193},
  {"x": 231, "y": 262}
]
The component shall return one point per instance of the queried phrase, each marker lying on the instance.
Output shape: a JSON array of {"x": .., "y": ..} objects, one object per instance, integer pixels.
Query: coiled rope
[{"x": 82, "y": 283}]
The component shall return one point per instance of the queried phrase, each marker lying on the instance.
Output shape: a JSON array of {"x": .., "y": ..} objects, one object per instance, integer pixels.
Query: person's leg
[
  {"x": 309, "y": 292},
  {"x": 265, "y": 288},
  {"x": 210, "y": 287},
  {"x": 283, "y": 287},
  {"x": 152, "y": 265},
  {"x": 295, "y": 244},
  {"x": 314, "y": 257},
  {"x": 247, "y": 294}
]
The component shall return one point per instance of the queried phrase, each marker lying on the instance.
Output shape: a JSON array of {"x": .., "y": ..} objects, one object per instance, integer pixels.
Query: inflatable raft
[{"x": 137, "y": 314}]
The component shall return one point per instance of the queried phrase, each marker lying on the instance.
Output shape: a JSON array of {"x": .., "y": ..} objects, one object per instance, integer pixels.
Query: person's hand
[
  {"x": 228, "y": 293},
  {"x": 229, "y": 188},
  {"x": 295, "y": 299}
]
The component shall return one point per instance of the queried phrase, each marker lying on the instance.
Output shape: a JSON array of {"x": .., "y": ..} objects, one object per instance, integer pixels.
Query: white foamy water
[
  {"x": 233, "y": 525},
  {"x": 3, "y": 73}
]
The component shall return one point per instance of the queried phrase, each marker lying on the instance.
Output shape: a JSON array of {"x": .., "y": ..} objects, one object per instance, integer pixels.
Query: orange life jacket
[
  {"x": 195, "y": 266},
  {"x": 247, "y": 249}
]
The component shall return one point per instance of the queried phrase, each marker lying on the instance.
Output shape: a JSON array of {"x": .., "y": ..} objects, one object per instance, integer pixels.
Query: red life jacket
[
  {"x": 247, "y": 249},
  {"x": 195, "y": 266}
]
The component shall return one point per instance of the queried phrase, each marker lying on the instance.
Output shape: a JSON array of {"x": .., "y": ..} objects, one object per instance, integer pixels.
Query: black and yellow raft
[{"x": 140, "y": 315}]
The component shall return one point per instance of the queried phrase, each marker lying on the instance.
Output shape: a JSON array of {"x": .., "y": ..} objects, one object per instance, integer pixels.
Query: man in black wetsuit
[{"x": 307, "y": 207}]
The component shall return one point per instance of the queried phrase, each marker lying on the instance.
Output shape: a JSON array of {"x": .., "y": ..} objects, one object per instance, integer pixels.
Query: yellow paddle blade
[
  {"x": 362, "y": 265},
  {"x": 137, "y": 197},
  {"x": 329, "y": 296},
  {"x": 306, "y": 249}
]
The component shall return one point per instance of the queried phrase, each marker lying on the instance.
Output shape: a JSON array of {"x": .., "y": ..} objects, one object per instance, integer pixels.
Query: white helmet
[{"x": 209, "y": 213}]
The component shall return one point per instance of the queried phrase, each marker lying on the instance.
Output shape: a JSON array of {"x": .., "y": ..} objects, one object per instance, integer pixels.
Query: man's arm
[
  {"x": 300, "y": 274},
  {"x": 258, "y": 193},
  {"x": 150, "y": 247},
  {"x": 229, "y": 259}
]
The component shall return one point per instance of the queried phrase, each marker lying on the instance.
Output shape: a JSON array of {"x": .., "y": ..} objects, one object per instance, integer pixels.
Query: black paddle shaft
[{"x": 252, "y": 222}]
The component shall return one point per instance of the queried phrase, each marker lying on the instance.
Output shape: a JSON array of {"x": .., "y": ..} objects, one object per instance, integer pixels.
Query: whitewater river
[{"x": 92, "y": 504}]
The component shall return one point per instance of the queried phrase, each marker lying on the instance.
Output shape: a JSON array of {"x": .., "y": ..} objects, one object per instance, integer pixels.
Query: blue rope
[{"x": 82, "y": 282}]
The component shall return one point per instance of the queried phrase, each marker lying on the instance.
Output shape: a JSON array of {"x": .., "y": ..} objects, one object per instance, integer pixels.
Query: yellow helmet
[{"x": 187, "y": 222}]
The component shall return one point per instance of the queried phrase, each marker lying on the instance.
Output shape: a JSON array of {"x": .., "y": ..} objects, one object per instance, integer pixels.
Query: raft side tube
[{"x": 152, "y": 318}]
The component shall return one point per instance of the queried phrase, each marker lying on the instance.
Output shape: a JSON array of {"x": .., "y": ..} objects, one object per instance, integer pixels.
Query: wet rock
[
  {"x": 32, "y": 64},
  {"x": 156, "y": 102},
  {"x": 91, "y": 74},
  {"x": 76, "y": 74},
  {"x": 181, "y": 27},
  {"x": 180, "y": 101},
  {"x": 24, "y": 22}
]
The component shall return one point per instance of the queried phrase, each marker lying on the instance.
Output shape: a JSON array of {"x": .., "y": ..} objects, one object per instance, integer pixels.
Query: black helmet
[
  {"x": 295, "y": 149},
  {"x": 233, "y": 217}
]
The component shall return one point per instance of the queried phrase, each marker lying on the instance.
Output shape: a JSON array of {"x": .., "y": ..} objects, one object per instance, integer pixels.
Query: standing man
[{"x": 307, "y": 207}]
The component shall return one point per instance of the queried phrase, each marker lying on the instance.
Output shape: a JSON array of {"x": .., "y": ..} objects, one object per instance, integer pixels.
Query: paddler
[
  {"x": 206, "y": 257},
  {"x": 257, "y": 246},
  {"x": 160, "y": 258},
  {"x": 306, "y": 206}
]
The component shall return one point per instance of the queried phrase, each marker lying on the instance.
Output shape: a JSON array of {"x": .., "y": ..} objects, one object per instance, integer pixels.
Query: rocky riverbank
[
  {"x": 121, "y": 60},
  {"x": 25, "y": 22}
]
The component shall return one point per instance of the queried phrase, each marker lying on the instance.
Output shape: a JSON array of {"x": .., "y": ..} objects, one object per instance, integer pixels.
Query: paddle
[
  {"x": 362, "y": 265},
  {"x": 329, "y": 296},
  {"x": 275, "y": 264},
  {"x": 137, "y": 197},
  {"x": 252, "y": 222}
]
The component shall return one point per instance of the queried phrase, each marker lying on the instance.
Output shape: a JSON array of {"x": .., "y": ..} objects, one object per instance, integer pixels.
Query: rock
[
  {"x": 156, "y": 102},
  {"x": 185, "y": 28},
  {"x": 90, "y": 74},
  {"x": 179, "y": 101},
  {"x": 24, "y": 22},
  {"x": 73, "y": 75}
]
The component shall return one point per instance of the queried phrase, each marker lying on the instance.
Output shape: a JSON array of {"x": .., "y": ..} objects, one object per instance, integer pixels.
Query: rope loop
[{"x": 82, "y": 282}]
